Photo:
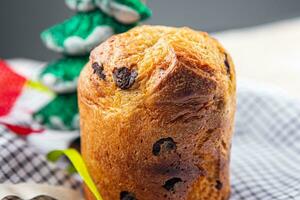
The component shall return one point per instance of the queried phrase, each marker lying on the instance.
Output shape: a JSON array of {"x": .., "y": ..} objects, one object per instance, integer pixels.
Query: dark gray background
[{"x": 22, "y": 20}]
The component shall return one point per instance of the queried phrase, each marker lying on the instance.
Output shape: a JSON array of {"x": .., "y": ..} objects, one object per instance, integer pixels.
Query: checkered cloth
[
  {"x": 265, "y": 160},
  {"x": 20, "y": 163}
]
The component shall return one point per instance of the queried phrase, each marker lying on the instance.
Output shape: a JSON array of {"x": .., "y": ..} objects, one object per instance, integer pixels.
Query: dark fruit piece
[
  {"x": 124, "y": 195},
  {"x": 227, "y": 64},
  {"x": 124, "y": 78},
  {"x": 163, "y": 145},
  {"x": 43, "y": 197},
  {"x": 11, "y": 197},
  {"x": 75, "y": 144},
  {"x": 219, "y": 185},
  {"x": 169, "y": 184},
  {"x": 98, "y": 69}
]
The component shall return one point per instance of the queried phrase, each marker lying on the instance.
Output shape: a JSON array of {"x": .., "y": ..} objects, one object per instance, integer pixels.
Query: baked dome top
[{"x": 132, "y": 66}]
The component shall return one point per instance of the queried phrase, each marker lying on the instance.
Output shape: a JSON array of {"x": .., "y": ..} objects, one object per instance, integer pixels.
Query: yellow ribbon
[
  {"x": 79, "y": 165},
  {"x": 38, "y": 86}
]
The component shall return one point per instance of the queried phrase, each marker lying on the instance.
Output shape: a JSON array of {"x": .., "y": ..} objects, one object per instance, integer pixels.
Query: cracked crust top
[{"x": 155, "y": 52}]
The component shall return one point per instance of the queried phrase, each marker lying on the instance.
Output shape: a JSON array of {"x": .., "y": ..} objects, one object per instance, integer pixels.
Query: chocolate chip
[
  {"x": 170, "y": 184},
  {"x": 124, "y": 195},
  {"x": 98, "y": 69},
  {"x": 11, "y": 197},
  {"x": 219, "y": 185},
  {"x": 227, "y": 64},
  {"x": 124, "y": 78},
  {"x": 163, "y": 145}
]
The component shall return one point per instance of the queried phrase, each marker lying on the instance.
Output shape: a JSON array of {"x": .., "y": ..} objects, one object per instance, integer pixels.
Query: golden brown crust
[{"x": 184, "y": 90}]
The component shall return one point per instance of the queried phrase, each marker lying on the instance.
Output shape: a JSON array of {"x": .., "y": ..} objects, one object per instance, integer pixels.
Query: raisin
[
  {"x": 11, "y": 197},
  {"x": 219, "y": 185},
  {"x": 163, "y": 145},
  {"x": 170, "y": 184},
  {"x": 124, "y": 195},
  {"x": 227, "y": 64},
  {"x": 124, "y": 78},
  {"x": 75, "y": 144},
  {"x": 98, "y": 69}
]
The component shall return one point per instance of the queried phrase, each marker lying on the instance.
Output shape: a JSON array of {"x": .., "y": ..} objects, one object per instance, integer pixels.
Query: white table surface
[{"x": 267, "y": 54}]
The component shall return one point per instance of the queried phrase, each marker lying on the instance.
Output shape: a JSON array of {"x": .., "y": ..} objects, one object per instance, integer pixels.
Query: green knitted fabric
[
  {"x": 78, "y": 35},
  {"x": 108, "y": 6},
  {"x": 94, "y": 22},
  {"x": 61, "y": 113},
  {"x": 61, "y": 75},
  {"x": 138, "y": 6},
  {"x": 81, "y": 5}
]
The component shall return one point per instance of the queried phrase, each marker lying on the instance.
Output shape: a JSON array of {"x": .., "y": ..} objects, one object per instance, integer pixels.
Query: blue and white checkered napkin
[{"x": 265, "y": 162}]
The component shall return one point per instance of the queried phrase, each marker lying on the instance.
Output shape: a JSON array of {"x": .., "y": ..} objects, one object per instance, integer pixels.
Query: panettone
[{"x": 157, "y": 109}]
